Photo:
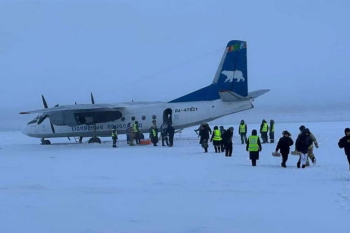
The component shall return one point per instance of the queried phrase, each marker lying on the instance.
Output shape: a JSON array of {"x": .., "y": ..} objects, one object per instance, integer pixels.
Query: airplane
[{"x": 227, "y": 94}]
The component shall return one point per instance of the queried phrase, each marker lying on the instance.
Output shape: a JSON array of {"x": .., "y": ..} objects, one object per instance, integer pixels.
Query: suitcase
[
  {"x": 145, "y": 141},
  {"x": 295, "y": 152},
  {"x": 276, "y": 154}
]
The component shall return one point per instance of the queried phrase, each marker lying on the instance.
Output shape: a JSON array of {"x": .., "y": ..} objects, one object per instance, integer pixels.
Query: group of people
[
  {"x": 220, "y": 137},
  {"x": 265, "y": 129},
  {"x": 133, "y": 132},
  {"x": 304, "y": 145},
  {"x": 167, "y": 132},
  {"x": 222, "y": 140}
]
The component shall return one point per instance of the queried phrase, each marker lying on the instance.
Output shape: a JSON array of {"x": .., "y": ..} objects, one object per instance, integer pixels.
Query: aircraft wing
[
  {"x": 74, "y": 115},
  {"x": 76, "y": 108}
]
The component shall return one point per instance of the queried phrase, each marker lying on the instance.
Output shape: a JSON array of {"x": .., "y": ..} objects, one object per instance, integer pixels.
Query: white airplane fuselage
[
  {"x": 183, "y": 114},
  {"x": 226, "y": 94}
]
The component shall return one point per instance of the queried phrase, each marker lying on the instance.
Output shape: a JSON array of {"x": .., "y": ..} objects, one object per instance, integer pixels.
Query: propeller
[
  {"x": 41, "y": 119},
  {"x": 44, "y": 101}
]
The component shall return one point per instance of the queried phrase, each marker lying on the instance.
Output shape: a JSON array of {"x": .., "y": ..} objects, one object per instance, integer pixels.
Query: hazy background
[{"x": 160, "y": 50}]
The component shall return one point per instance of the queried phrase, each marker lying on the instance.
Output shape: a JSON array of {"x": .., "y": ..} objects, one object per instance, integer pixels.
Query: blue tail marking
[{"x": 231, "y": 75}]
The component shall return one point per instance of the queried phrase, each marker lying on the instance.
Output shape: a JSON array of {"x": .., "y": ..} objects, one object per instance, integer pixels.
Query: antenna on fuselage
[{"x": 92, "y": 99}]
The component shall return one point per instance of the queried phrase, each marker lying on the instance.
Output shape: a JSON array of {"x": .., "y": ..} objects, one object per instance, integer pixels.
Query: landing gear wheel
[
  {"x": 94, "y": 140},
  {"x": 45, "y": 142}
]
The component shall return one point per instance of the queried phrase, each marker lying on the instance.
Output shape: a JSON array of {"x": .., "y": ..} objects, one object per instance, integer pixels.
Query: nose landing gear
[
  {"x": 45, "y": 142},
  {"x": 94, "y": 139}
]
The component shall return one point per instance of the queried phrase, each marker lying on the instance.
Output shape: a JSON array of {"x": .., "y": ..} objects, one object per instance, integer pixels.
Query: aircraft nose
[{"x": 24, "y": 130}]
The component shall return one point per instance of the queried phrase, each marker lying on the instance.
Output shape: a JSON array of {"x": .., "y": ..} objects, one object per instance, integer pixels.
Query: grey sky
[{"x": 160, "y": 50}]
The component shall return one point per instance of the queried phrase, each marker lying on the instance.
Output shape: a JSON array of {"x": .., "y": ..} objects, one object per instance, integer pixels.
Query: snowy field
[{"x": 82, "y": 188}]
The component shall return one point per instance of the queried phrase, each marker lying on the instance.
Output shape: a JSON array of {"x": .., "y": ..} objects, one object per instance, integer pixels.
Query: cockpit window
[{"x": 33, "y": 121}]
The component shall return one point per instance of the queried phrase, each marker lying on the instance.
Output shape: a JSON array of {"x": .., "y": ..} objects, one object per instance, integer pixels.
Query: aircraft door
[{"x": 168, "y": 116}]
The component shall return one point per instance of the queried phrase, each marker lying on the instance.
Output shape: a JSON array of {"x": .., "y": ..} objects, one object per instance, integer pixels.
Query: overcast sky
[{"x": 161, "y": 50}]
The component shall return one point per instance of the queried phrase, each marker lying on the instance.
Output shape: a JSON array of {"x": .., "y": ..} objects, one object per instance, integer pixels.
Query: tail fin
[{"x": 231, "y": 75}]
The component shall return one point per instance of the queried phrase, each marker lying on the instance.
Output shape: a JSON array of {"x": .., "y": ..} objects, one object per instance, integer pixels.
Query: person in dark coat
[
  {"x": 344, "y": 142},
  {"x": 227, "y": 141},
  {"x": 164, "y": 134},
  {"x": 254, "y": 147},
  {"x": 272, "y": 131},
  {"x": 171, "y": 132},
  {"x": 130, "y": 135},
  {"x": 204, "y": 132},
  {"x": 284, "y": 145},
  {"x": 304, "y": 141},
  {"x": 222, "y": 131}
]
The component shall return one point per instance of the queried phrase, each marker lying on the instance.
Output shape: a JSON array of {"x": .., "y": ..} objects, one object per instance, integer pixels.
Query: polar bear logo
[{"x": 230, "y": 75}]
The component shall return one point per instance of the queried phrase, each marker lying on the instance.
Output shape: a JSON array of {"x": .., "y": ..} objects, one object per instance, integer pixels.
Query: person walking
[
  {"x": 222, "y": 131},
  {"x": 283, "y": 146},
  {"x": 272, "y": 131},
  {"x": 227, "y": 141},
  {"x": 264, "y": 128},
  {"x": 164, "y": 134},
  {"x": 242, "y": 130},
  {"x": 114, "y": 136},
  {"x": 310, "y": 152},
  {"x": 204, "y": 134},
  {"x": 344, "y": 142},
  {"x": 254, "y": 147},
  {"x": 216, "y": 139},
  {"x": 302, "y": 145},
  {"x": 171, "y": 132},
  {"x": 130, "y": 135}
]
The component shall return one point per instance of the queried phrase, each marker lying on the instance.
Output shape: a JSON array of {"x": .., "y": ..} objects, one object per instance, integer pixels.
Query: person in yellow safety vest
[
  {"x": 153, "y": 134},
  {"x": 242, "y": 130},
  {"x": 272, "y": 131},
  {"x": 216, "y": 139},
  {"x": 264, "y": 128},
  {"x": 114, "y": 136},
  {"x": 254, "y": 147},
  {"x": 136, "y": 130}
]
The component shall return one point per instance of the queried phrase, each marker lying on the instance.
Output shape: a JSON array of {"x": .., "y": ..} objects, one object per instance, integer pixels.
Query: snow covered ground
[{"x": 82, "y": 188}]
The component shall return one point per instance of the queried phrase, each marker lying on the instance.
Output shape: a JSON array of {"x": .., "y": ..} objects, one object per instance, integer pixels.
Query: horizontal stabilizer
[
  {"x": 230, "y": 96},
  {"x": 257, "y": 93}
]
